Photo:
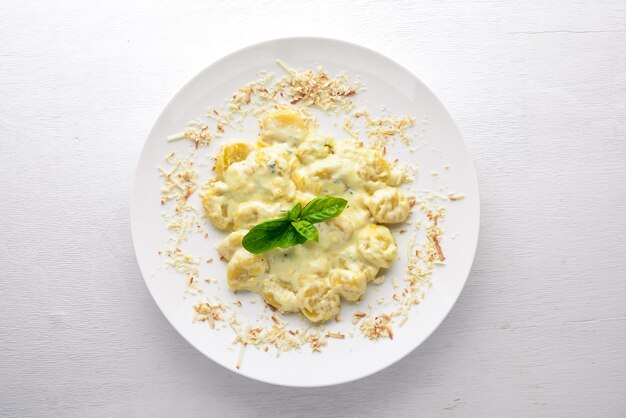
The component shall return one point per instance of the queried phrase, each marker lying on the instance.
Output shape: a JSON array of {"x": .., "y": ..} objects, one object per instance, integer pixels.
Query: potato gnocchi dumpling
[
  {"x": 376, "y": 245},
  {"x": 245, "y": 270},
  {"x": 389, "y": 206},
  {"x": 338, "y": 229},
  {"x": 216, "y": 205},
  {"x": 227, "y": 247},
  {"x": 305, "y": 183},
  {"x": 318, "y": 301},
  {"x": 291, "y": 162},
  {"x": 373, "y": 167},
  {"x": 278, "y": 295},
  {"x": 349, "y": 284},
  {"x": 230, "y": 154},
  {"x": 315, "y": 147},
  {"x": 285, "y": 125},
  {"x": 251, "y": 213}
]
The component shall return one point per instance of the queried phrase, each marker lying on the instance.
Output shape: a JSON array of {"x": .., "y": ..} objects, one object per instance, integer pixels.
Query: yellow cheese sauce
[{"x": 293, "y": 162}]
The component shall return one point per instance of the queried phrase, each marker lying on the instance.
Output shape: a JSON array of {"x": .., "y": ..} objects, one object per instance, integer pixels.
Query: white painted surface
[{"x": 539, "y": 90}]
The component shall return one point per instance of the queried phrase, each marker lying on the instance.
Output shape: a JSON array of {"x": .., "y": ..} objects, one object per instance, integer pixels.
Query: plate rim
[{"x": 379, "y": 55}]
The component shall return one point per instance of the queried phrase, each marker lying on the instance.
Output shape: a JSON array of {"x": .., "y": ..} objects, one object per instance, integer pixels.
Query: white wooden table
[{"x": 539, "y": 90}]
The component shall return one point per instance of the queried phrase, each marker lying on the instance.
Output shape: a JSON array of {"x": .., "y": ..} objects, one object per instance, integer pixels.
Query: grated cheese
[
  {"x": 377, "y": 327},
  {"x": 182, "y": 261},
  {"x": 208, "y": 312}
]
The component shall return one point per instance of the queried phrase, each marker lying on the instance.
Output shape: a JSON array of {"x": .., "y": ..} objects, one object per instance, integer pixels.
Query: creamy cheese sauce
[{"x": 293, "y": 162}]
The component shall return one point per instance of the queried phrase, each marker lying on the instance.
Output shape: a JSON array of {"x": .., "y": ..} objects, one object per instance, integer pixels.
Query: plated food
[
  {"x": 262, "y": 191},
  {"x": 296, "y": 219},
  {"x": 293, "y": 163}
]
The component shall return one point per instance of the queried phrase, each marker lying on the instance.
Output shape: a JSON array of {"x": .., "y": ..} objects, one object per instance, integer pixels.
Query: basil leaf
[
  {"x": 295, "y": 228},
  {"x": 307, "y": 230},
  {"x": 294, "y": 213},
  {"x": 291, "y": 238},
  {"x": 267, "y": 235},
  {"x": 323, "y": 208},
  {"x": 299, "y": 238}
]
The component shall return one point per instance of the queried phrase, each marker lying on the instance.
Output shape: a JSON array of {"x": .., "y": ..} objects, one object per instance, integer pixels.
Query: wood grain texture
[{"x": 539, "y": 91}]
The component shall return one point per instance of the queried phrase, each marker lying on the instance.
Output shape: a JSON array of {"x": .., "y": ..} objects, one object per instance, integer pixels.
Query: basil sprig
[{"x": 296, "y": 227}]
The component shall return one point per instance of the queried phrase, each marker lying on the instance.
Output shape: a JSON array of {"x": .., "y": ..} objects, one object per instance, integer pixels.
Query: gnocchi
[
  {"x": 245, "y": 270},
  {"x": 227, "y": 247},
  {"x": 389, "y": 206},
  {"x": 377, "y": 246},
  {"x": 318, "y": 301},
  {"x": 292, "y": 162},
  {"x": 278, "y": 295}
]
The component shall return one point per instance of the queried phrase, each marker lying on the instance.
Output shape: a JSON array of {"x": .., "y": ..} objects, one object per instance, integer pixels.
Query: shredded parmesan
[
  {"x": 380, "y": 131},
  {"x": 377, "y": 327},
  {"x": 318, "y": 89},
  {"x": 240, "y": 358},
  {"x": 209, "y": 312},
  {"x": 182, "y": 261}
]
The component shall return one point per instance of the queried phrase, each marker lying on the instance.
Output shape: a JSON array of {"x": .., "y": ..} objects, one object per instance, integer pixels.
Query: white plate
[{"x": 387, "y": 84}]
